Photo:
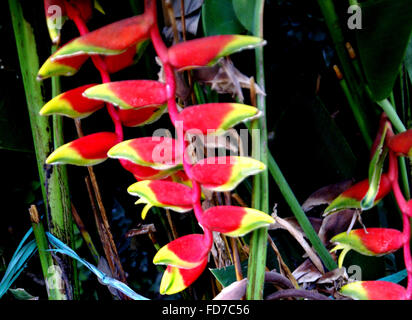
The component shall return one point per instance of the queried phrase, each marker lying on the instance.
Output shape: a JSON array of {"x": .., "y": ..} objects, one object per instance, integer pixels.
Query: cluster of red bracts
[
  {"x": 377, "y": 241},
  {"x": 159, "y": 164}
]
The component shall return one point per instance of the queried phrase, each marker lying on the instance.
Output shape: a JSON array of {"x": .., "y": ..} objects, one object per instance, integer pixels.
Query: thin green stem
[
  {"x": 258, "y": 243},
  {"x": 299, "y": 214},
  {"x": 46, "y": 259}
]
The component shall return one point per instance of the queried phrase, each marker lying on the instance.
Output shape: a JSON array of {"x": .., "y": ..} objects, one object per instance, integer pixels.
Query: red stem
[
  {"x": 100, "y": 65},
  {"x": 405, "y": 208},
  {"x": 162, "y": 52}
]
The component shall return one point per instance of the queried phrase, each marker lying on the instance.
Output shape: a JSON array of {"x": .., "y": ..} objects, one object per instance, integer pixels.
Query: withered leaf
[
  {"x": 335, "y": 224},
  {"x": 234, "y": 291},
  {"x": 224, "y": 77},
  {"x": 325, "y": 195}
]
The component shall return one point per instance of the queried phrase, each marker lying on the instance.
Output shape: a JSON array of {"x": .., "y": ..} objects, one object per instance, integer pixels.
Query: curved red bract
[
  {"x": 80, "y": 103},
  {"x": 197, "y": 52},
  {"x": 359, "y": 190},
  {"x": 119, "y": 35},
  {"x": 140, "y": 93},
  {"x": 223, "y": 219},
  {"x": 172, "y": 193},
  {"x": 132, "y": 118},
  {"x": 96, "y": 145},
  {"x": 211, "y": 173},
  {"x": 206, "y": 117},
  {"x": 190, "y": 248},
  {"x": 383, "y": 290},
  {"x": 380, "y": 240},
  {"x": 401, "y": 143},
  {"x": 138, "y": 171},
  {"x": 115, "y": 63}
]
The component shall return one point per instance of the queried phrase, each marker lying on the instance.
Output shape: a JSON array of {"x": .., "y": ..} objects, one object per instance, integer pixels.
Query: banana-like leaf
[{"x": 382, "y": 42}]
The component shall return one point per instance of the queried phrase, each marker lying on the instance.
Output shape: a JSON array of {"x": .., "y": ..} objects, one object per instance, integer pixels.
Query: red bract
[
  {"x": 85, "y": 151},
  {"x": 402, "y": 143},
  {"x": 212, "y": 117},
  {"x": 61, "y": 67},
  {"x": 351, "y": 198},
  {"x": 130, "y": 94},
  {"x": 156, "y": 152},
  {"x": 206, "y": 51},
  {"x": 111, "y": 39},
  {"x": 186, "y": 252},
  {"x": 234, "y": 221},
  {"x": 72, "y": 104},
  {"x": 120, "y": 61},
  {"x": 374, "y": 290},
  {"x": 140, "y": 117},
  {"x": 142, "y": 172}
]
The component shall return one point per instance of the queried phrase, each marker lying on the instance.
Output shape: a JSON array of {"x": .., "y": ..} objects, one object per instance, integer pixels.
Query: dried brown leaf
[
  {"x": 225, "y": 78},
  {"x": 325, "y": 195},
  {"x": 335, "y": 224},
  {"x": 234, "y": 291}
]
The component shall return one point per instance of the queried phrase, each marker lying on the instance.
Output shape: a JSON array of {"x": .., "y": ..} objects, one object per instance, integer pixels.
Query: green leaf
[
  {"x": 382, "y": 41},
  {"x": 21, "y": 294},
  {"x": 375, "y": 171},
  {"x": 408, "y": 59},
  {"x": 227, "y": 275},
  {"x": 244, "y": 10},
  {"x": 219, "y": 17}
]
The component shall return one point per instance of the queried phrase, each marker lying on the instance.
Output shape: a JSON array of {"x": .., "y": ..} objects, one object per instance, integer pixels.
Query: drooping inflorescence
[{"x": 154, "y": 160}]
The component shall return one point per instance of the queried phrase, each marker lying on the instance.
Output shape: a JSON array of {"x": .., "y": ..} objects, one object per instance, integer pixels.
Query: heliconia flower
[
  {"x": 373, "y": 242},
  {"x": 225, "y": 173},
  {"x": 156, "y": 152},
  {"x": 186, "y": 252},
  {"x": 215, "y": 117},
  {"x": 177, "y": 279},
  {"x": 130, "y": 94},
  {"x": 145, "y": 173},
  {"x": 72, "y": 104},
  {"x": 114, "y": 38},
  {"x": 61, "y": 67},
  {"x": 402, "y": 143},
  {"x": 54, "y": 10},
  {"x": 374, "y": 290},
  {"x": 85, "y": 151},
  {"x": 234, "y": 221},
  {"x": 164, "y": 194},
  {"x": 207, "y": 51},
  {"x": 351, "y": 198}
]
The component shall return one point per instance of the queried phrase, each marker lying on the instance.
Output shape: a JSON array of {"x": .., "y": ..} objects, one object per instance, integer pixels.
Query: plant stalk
[{"x": 52, "y": 178}]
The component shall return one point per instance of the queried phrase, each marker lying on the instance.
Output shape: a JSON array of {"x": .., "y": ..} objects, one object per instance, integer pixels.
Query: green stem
[
  {"x": 46, "y": 260},
  {"x": 357, "y": 113},
  {"x": 51, "y": 178},
  {"x": 354, "y": 90},
  {"x": 258, "y": 242},
  {"x": 299, "y": 214}
]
